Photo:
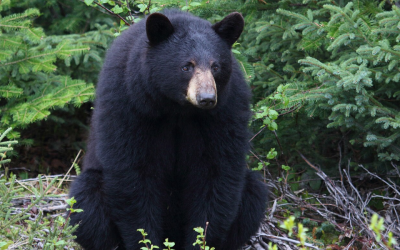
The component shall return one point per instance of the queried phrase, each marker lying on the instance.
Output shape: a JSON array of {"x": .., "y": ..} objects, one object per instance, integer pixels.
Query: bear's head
[{"x": 193, "y": 57}]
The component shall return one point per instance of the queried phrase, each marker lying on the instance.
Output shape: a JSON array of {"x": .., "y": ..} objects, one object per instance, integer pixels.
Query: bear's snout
[
  {"x": 206, "y": 100},
  {"x": 202, "y": 90}
]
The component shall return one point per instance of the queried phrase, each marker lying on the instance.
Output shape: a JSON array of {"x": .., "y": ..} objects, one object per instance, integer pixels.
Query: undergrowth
[{"x": 24, "y": 223}]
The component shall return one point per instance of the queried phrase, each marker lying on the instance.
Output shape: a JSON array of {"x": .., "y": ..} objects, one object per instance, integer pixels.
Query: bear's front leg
[
  {"x": 214, "y": 199},
  {"x": 137, "y": 205},
  {"x": 96, "y": 229},
  {"x": 250, "y": 214}
]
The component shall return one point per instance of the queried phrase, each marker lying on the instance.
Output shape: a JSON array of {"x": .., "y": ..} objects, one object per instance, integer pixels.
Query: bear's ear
[
  {"x": 158, "y": 28},
  {"x": 230, "y": 27}
]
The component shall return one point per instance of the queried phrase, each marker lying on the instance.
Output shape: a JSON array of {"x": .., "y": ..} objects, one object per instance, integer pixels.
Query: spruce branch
[{"x": 109, "y": 11}]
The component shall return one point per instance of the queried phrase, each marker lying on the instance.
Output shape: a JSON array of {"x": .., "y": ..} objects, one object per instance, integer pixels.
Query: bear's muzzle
[{"x": 202, "y": 90}]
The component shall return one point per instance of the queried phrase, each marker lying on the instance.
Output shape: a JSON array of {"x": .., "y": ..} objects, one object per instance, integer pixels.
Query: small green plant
[
  {"x": 201, "y": 238},
  {"x": 149, "y": 246},
  {"x": 301, "y": 235},
  {"x": 71, "y": 203},
  {"x": 289, "y": 224},
  {"x": 272, "y": 246},
  {"x": 77, "y": 169},
  {"x": 286, "y": 169},
  {"x": 268, "y": 117},
  {"x": 145, "y": 241},
  {"x": 377, "y": 225},
  {"x": 200, "y": 241},
  {"x": 168, "y": 244},
  {"x": 270, "y": 156}
]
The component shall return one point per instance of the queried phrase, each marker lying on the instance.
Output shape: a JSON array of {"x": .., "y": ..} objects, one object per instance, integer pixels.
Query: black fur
[{"x": 157, "y": 162}]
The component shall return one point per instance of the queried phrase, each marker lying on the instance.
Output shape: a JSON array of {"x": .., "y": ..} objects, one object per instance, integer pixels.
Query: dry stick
[
  {"x": 393, "y": 187},
  {"x": 395, "y": 168},
  {"x": 67, "y": 174},
  {"x": 258, "y": 133},
  {"x": 20, "y": 183},
  {"x": 28, "y": 208},
  {"x": 269, "y": 236},
  {"x": 280, "y": 146},
  {"x": 352, "y": 214},
  {"x": 36, "y": 179},
  {"x": 352, "y": 207},
  {"x": 376, "y": 176},
  {"x": 279, "y": 143},
  {"x": 262, "y": 163},
  {"x": 148, "y": 7},
  {"x": 291, "y": 111},
  {"x": 340, "y": 163},
  {"x": 129, "y": 9},
  {"x": 252, "y": 152},
  {"x": 205, "y": 234},
  {"x": 351, "y": 185},
  {"x": 350, "y": 244},
  {"x": 18, "y": 244},
  {"x": 330, "y": 186},
  {"x": 260, "y": 242},
  {"x": 54, "y": 208},
  {"x": 110, "y": 12}
]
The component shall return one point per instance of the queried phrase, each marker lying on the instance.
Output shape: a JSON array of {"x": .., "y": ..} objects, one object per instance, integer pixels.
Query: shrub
[
  {"x": 46, "y": 67},
  {"x": 330, "y": 68}
]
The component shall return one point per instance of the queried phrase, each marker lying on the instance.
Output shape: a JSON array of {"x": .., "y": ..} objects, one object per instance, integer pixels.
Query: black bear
[{"x": 168, "y": 140}]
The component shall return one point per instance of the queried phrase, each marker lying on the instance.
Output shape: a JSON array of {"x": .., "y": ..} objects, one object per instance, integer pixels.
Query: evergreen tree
[
  {"x": 331, "y": 70},
  {"x": 44, "y": 62}
]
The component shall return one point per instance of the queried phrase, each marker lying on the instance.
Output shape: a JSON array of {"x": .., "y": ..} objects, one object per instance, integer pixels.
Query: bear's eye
[
  {"x": 215, "y": 68},
  {"x": 186, "y": 68}
]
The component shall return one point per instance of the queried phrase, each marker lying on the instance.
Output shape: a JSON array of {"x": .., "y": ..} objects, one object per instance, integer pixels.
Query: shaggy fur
[{"x": 156, "y": 161}]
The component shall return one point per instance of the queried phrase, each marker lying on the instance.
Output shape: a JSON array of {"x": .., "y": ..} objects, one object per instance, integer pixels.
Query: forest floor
[{"x": 339, "y": 216}]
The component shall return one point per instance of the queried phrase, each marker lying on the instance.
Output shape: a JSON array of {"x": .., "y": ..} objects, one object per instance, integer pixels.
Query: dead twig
[{"x": 69, "y": 170}]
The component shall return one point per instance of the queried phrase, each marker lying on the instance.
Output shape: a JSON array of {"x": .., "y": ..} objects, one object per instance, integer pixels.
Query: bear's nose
[{"x": 206, "y": 100}]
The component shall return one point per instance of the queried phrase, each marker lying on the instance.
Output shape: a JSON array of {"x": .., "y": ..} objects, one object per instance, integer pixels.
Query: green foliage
[
  {"x": 71, "y": 202},
  {"x": 268, "y": 117},
  {"x": 201, "y": 238},
  {"x": 272, "y": 246},
  {"x": 145, "y": 241},
  {"x": 20, "y": 225},
  {"x": 199, "y": 241},
  {"x": 270, "y": 156},
  {"x": 77, "y": 169},
  {"x": 43, "y": 68},
  {"x": 130, "y": 12},
  {"x": 289, "y": 224},
  {"x": 5, "y": 146},
  {"x": 330, "y": 69},
  {"x": 17, "y": 226},
  {"x": 168, "y": 245},
  {"x": 377, "y": 225}
]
